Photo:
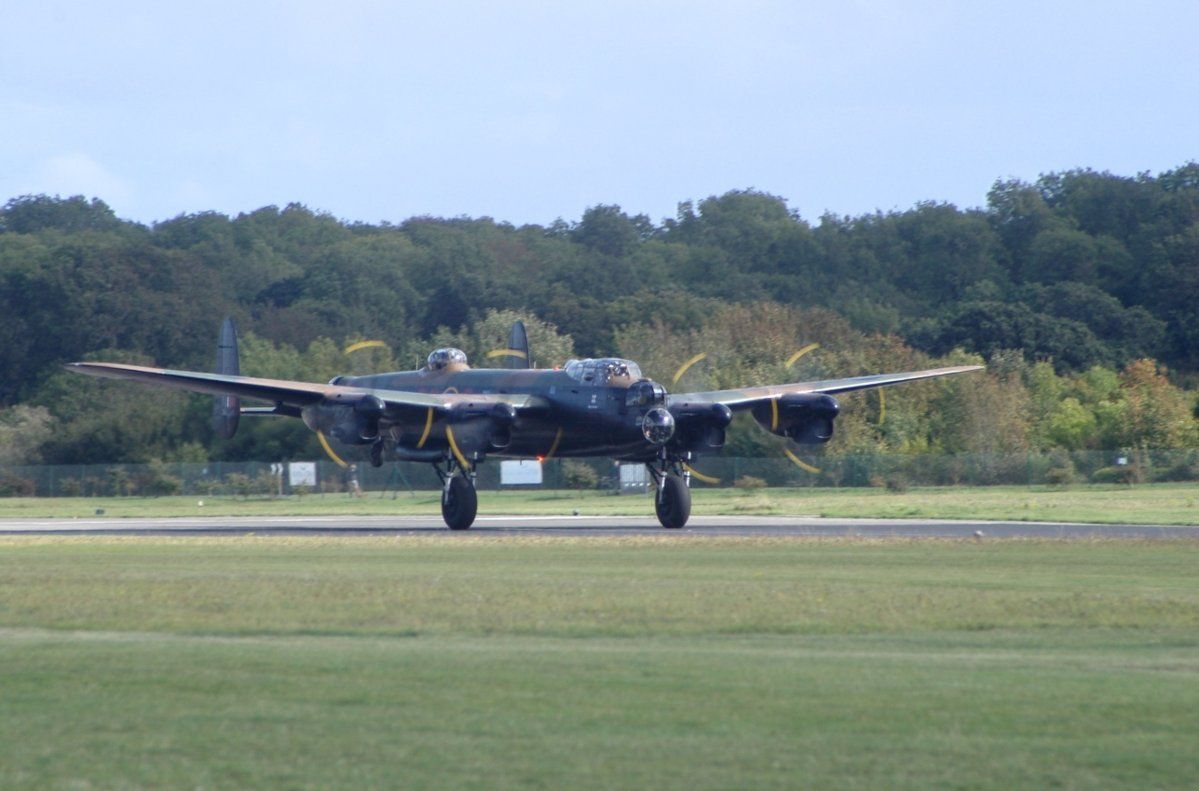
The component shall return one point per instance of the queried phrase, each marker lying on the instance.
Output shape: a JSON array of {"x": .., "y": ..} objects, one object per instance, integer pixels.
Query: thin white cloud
[
  {"x": 76, "y": 173},
  {"x": 529, "y": 110}
]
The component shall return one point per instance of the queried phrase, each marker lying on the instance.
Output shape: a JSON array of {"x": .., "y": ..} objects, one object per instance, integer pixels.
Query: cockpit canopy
[
  {"x": 440, "y": 359},
  {"x": 603, "y": 371}
]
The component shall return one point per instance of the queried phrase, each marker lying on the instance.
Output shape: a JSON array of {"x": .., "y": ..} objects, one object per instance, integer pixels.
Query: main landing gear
[
  {"x": 459, "y": 501},
  {"x": 673, "y": 499}
]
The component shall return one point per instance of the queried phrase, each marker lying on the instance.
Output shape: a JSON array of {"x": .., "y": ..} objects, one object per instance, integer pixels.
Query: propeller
[
  {"x": 516, "y": 354},
  {"x": 711, "y": 480},
  {"x": 368, "y": 410},
  {"x": 791, "y": 361},
  {"x": 772, "y": 416}
]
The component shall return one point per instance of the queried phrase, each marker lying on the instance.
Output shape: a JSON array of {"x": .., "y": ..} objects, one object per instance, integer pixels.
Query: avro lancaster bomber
[{"x": 454, "y": 416}]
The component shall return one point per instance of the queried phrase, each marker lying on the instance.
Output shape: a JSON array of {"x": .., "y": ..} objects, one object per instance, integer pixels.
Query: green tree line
[{"x": 1078, "y": 289}]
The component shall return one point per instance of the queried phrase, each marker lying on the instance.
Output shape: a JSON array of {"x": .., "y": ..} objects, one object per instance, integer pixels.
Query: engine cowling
[
  {"x": 701, "y": 427},
  {"x": 805, "y": 418},
  {"x": 503, "y": 418},
  {"x": 352, "y": 422}
]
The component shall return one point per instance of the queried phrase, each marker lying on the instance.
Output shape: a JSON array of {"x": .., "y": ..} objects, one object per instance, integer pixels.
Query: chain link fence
[{"x": 896, "y": 472}]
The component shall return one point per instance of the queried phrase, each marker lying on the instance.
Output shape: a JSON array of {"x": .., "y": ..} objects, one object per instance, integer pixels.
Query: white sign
[
  {"x": 301, "y": 473},
  {"x": 525, "y": 472},
  {"x": 634, "y": 478}
]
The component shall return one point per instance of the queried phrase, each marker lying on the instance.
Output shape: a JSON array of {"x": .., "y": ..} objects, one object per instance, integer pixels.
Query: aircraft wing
[
  {"x": 749, "y": 397},
  {"x": 293, "y": 393}
]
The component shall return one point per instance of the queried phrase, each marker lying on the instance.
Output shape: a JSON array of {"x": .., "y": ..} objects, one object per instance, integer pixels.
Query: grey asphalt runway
[{"x": 585, "y": 526}]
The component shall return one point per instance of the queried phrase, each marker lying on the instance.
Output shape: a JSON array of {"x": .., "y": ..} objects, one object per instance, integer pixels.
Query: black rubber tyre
[
  {"x": 459, "y": 503},
  {"x": 673, "y": 502},
  {"x": 377, "y": 454}
]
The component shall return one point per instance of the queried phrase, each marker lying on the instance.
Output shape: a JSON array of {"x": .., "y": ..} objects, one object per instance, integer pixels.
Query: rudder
[{"x": 226, "y": 409}]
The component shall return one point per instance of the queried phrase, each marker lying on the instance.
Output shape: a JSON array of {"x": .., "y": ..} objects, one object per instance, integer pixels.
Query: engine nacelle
[
  {"x": 701, "y": 427},
  {"x": 503, "y": 418},
  {"x": 806, "y": 418},
  {"x": 352, "y": 422}
]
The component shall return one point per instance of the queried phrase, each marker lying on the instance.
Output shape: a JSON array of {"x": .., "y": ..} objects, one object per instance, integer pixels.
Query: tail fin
[
  {"x": 226, "y": 409},
  {"x": 518, "y": 347}
]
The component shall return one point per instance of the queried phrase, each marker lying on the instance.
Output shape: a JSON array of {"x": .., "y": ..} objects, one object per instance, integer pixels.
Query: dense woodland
[{"x": 1079, "y": 291}]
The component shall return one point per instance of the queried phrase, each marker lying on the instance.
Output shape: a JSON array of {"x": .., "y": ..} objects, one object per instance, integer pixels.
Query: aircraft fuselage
[{"x": 581, "y": 418}]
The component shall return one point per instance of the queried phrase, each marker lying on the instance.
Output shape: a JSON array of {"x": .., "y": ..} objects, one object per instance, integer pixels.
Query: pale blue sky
[{"x": 529, "y": 111}]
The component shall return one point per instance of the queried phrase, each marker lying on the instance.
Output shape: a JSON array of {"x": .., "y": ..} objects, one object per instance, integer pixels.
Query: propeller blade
[
  {"x": 709, "y": 479},
  {"x": 338, "y": 460},
  {"x": 683, "y": 369},
  {"x": 353, "y": 347},
  {"x": 803, "y": 465},
  {"x": 516, "y": 355},
  {"x": 791, "y": 361},
  {"x": 811, "y": 347}
]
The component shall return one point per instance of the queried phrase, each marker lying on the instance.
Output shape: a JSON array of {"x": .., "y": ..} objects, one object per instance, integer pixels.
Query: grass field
[
  {"x": 665, "y": 661},
  {"x": 1166, "y": 504}
]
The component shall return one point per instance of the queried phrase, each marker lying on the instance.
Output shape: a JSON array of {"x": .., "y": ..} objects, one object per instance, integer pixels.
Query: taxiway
[{"x": 586, "y": 526}]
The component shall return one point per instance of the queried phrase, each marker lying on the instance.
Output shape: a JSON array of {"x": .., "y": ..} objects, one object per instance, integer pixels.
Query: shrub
[
  {"x": 897, "y": 483},
  {"x": 1060, "y": 476},
  {"x": 160, "y": 486},
  {"x": 1127, "y": 474},
  {"x": 239, "y": 483},
  {"x": 121, "y": 483},
  {"x": 266, "y": 483},
  {"x": 578, "y": 475},
  {"x": 1180, "y": 472},
  {"x": 749, "y": 482},
  {"x": 157, "y": 481},
  {"x": 16, "y": 486}
]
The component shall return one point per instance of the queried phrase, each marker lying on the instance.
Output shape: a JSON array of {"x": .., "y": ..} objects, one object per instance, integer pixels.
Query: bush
[
  {"x": 16, "y": 486},
  {"x": 1060, "y": 476},
  {"x": 157, "y": 481},
  {"x": 266, "y": 483},
  {"x": 121, "y": 483},
  {"x": 749, "y": 482},
  {"x": 71, "y": 487},
  {"x": 161, "y": 486},
  {"x": 578, "y": 475},
  {"x": 897, "y": 484},
  {"x": 1127, "y": 474},
  {"x": 1180, "y": 472},
  {"x": 239, "y": 484}
]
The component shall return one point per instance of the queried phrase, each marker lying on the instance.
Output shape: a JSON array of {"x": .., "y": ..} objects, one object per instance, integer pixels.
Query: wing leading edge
[
  {"x": 289, "y": 392},
  {"x": 749, "y": 397}
]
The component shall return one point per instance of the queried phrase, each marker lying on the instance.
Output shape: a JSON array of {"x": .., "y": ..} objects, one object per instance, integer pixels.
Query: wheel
[
  {"x": 459, "y": 502},
  {"x": 673, "y": 502},
  {"x": 377, "y": 454}
]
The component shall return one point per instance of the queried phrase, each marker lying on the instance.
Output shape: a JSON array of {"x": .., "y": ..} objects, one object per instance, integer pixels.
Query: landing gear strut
[
  {"x": 459, "y": 501},
  {"x": 673, "y": 500}
]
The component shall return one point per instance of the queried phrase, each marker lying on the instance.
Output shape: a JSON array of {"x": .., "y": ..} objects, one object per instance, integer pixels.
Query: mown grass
[
  {"x": 1166, "y": 504},
  {"x": 662, "y": 661}
]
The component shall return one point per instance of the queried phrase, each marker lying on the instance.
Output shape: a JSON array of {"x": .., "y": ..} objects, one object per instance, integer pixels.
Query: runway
[{"x": 586, "y": 526}]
